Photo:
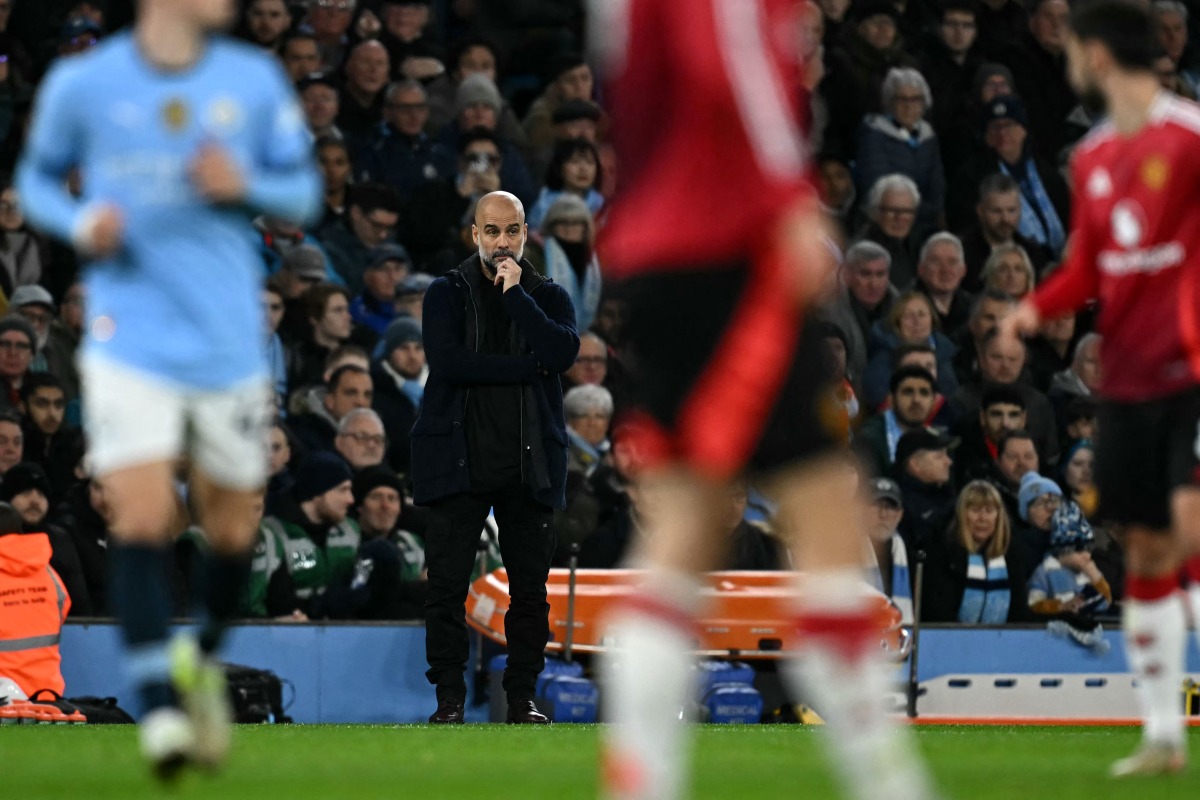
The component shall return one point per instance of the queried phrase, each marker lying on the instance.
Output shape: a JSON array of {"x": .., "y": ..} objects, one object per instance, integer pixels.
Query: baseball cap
[
  {"x": 1007, "y": 106},
  {"x": 305, "y": 261},
  {"x": 385, "y": 253},
  {"x": 31, "y": 295},
  {"x": 571, "y": 110},
  {"x": 414, "y": 284},
  {"x": 886, "y": 489},
  {"x": 913, "y": 442}
]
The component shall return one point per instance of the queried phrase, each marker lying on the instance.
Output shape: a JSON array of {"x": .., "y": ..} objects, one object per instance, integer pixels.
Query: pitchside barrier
[{"x": 374, "y": 672}]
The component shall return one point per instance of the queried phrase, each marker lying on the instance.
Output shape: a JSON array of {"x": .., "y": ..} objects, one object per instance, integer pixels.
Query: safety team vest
[{"x": 33, "y": 605}]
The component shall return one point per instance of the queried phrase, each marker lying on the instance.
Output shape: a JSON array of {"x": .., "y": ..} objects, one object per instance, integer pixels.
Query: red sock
[
  {"x": 851, "y": 633},
  {"x": 1149, "y": 588},
  {"x": 1191, "y": 569}
]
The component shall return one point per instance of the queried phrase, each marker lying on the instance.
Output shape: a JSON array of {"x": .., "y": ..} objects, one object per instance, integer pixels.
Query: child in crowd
[{"x": 1068, "y": 585}]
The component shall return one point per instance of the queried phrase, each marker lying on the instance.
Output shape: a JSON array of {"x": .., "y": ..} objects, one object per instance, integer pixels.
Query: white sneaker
[
  {"x": 1151, "y": 758},
  {"x": 166, "y": 737},
  {"x": 200, "y": 683}
]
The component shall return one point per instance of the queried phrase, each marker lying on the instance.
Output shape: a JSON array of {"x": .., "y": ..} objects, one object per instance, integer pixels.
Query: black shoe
[
  {"x": 524, "y": 712},
  {"x": 449, "y": 712}
]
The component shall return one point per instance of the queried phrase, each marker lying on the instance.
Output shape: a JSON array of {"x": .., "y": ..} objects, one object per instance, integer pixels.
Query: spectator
[
  {"x": 573, "y": 119},
  {"x": 472, "y": 54},
  {"x": 397, "y": 152},
  {"x": 1078, "y": 475},
  {"x": 1173, "y": 36},
  {"x": 842, "y": 401},
  {"x": 327, "y": 312},
  {"x": 891, "y": 210},
  {"x": 750, "y": 547},
  {"x": 568, "y": 254},
  {"x": 912, "y": 320},
  {"x": 63, "y": 341},
  {"x": 399, "y": 375},
  {"x": 279, "y": 451},
  {"x": 361, "y": 439},
  {"x": 912, "y": 393},
  {"x": 940, "y": 273},
  {"x": 1044, "y": 198},
  {"x": 300, "y": 54},
  {"x": 1003, "y": 362},
  {"x": 1001, "y": 412},
  {"x": 18, "y": 348},
  {"x": 569, "y": 78},
  {"x": 300, "y": 270},
  {"x": 329, "y": 22},
  {"x": 899, "y": 141},
  {"x": 589, "y": 411},
  {"x": 278, "y": 239},
  {"x": 997, "y": 219},
  {"x": 1038, "y": 498},
  {"x": 36, "y": 306},
  {"x": 1050, "y": 352},
  {"x": 83, "y": 517},
  {"x": 574, "y": 170},
  {"x": 944, "y": 414},
  {"x": 1002, "y": 23},
  {"x": 888, "y": 568},
  {"x": 949, "y": 62},
  {"x": 360, "y": 104},
  {"x": 78, "y": 34},
  {"x": 1016, "y": 455},
  {"x": 27, "y": 489},
  {"x": 398, "y": 582},
  {"x": 311, "y": 399},
  {"x": 986, "y": 312},
  {"x": 322, "y": 106},
  {"x": 1039, "y": 63},
  {"x": 591, "y": 364},
  {"x": 922, "y": 471},
  {"x": 974, "y": 574},
  {"x": 49, "y": 442},
  {"x": 272, "y": 300},
  {"x": 410, "y": 295},
  {"x": 21, "y": 250},
  {"x": 1009, "y": 270},
  {"x": 320, "y": 542},
  {"x": 478, "y": 104},
  {"x": 1082, "y": 378},
  {"x": 1067, "y": 583},
  {"x": 266, "y": 22},
  {"x": 370, "y": 221},
  {"x": 375, "y": 308},
  {"x": 348, "y": 388},
  {"x": 835, "y": 188},
  {"x": 864, "y": 298},
  {"x": 403, "y": 25},
  {"x": 1078, "y": 421},
  {"x": 334, "y": 159}
]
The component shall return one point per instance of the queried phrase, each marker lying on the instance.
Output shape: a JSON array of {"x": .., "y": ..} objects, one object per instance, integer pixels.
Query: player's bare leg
[
  {"x": 142, "y": 509},
  {"x": 648, "y": 683},
  {"x": 1185, "y": 510},
  {"x": 839, "y": 667},
  {"x": 1155, "y": 628}
]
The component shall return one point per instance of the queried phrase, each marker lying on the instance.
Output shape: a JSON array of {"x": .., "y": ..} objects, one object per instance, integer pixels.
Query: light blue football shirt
[{"x": 181, "y": 300}]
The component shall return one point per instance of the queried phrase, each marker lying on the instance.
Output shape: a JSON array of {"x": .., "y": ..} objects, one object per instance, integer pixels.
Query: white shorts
[{"x": 132, "y": 417}]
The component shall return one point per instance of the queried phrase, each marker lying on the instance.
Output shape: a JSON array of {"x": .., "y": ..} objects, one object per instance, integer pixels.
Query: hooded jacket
[{"x": 544, "y": 345}]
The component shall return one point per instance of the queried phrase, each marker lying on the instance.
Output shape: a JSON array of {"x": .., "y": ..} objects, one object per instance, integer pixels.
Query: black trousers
[{"x": 526, "y": 545}]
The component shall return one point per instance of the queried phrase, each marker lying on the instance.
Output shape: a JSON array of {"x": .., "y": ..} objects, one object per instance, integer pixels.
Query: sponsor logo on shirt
[
  {"x": 175, "y": 115},
  {"x": 1154, "y": 173},
  {"x": 1147, "y": 260},
  {"x": 1099, "y": 184}
]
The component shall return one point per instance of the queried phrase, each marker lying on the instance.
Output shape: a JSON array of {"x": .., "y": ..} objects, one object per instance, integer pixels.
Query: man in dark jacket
[
  {"x": 923, "y": 472},
  {"x": 399, "y": 375},
  {"x": 492, "y": 435}
]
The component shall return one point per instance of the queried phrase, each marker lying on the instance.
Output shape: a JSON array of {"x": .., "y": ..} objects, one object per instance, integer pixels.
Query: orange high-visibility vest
[{"x": 33, "y": 605}]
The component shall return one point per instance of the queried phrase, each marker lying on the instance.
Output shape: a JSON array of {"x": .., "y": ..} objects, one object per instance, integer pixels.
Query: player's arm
[{"x": 53, "y": 148}]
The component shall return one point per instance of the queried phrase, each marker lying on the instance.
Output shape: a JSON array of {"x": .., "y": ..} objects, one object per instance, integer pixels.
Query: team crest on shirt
[
  {"x": 175, "y": 115},
  {"x": 1128, "y": 224},
  {"x": 1099, "y": 184},
  {"x": 223, "y": 116},
  {"x": 1154, "y": 173}
]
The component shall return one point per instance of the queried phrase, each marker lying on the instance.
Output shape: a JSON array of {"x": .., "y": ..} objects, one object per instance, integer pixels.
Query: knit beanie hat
[
  {"x": 23, "y": 477},
  {"x": 1069, "y": 530},
  {"x": 15, "y": 322},
  {"x": 1034, "y": 486},
  {"x": 371, "y": 479},
  {"x": 401, "y": 330},
  {"x": 477, "y": 88},
  {"x": 318, "y": 474}
]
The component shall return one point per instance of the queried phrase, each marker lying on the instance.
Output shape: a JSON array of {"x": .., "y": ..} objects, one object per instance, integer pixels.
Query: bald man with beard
[{"x": 492, "y": 435}]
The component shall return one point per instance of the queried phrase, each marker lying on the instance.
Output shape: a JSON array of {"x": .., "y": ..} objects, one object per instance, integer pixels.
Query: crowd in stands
[{"x": 939, "y": 132}]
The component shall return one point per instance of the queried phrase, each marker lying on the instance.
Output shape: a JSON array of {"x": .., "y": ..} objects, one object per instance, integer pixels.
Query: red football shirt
[
  {"x": 704, "y": 96},
  {"x": 1135, "y": 246}
]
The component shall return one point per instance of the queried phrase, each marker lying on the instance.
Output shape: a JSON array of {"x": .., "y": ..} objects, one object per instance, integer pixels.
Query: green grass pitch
[{"x": 475, "y": 762}]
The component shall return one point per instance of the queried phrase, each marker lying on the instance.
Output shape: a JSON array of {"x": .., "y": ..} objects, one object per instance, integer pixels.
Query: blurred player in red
[
  {"x": 1135, "y": 246},
  {"x": 718, "y": 239}
]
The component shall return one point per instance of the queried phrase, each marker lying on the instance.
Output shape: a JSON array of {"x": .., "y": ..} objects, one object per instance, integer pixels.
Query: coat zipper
[{"x": 475, "y": 311}]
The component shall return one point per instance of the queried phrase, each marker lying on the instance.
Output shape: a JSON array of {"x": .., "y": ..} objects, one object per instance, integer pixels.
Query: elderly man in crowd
[
  {"x": 398, "y": 152},
  {"x": 864, "y": 297},
  {"x": 361, "y": 439},
  {"x": 940, "y": 273},
  {"x": 361, "y": 102},
  {"x": 892, "y": 206}
]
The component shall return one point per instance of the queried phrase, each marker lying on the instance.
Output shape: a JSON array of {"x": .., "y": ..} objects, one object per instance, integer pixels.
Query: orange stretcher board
[{"x": 749, "y": 614}]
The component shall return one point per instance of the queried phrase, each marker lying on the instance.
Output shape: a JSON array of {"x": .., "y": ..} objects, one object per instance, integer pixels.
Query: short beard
[
  {"x": 1093, "y": 101},
  {"x": 489, "y": 262}
]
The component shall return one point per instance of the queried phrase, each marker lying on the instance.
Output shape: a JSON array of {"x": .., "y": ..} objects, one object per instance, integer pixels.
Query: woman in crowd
[
  {"x": 975, "y": 575},
  {"x": 1009, "y": 270},
  {"x": 568, "y": 257},
  {"x": 1077, "y": 476},
  {"x": 574, "y": 170},
  {"x": 912, "y": 320}
]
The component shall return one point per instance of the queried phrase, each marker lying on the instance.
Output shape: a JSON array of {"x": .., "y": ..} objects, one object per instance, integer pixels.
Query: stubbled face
[
  {"x": 1018, "y": 457},
  {"x": 46, "y": 409},
  {"x": 913, "y": 402},
  {"x": 1001, "y": 418},
  {"x": 32, "y": 505},
  {"x": 499, "y": 231},
  {"x": 1003, "y": 361},
  {"x": 408, "y": 359},
  {"x": 999, "y": 215},
  {"x": 477, "y": 60},
  {"x": 301, "y": 57},
  {"x": 268, "y": 20},
  {"x": 380, "y": 510}
]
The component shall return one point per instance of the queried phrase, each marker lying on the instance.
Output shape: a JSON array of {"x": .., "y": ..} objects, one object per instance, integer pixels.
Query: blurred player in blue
[{"x": 181, "y": 136}]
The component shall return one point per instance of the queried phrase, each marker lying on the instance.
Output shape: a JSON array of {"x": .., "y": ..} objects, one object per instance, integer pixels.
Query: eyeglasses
[
  {"x": 897, "y": 211},
  {"x": 20, "y": 347},
  {"x": 377, "y": 439},
  {"x": 1048, "y": 501},
  {"x": 37, "y": 317},
  {"x": 591, "y": 360},
  {"x": 909, "y": 99}
]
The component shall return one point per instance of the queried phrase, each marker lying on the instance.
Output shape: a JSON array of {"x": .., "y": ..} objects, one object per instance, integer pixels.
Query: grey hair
[
  {"x": 1000, "y": 251},
  {"x": 995, "y": 295},
  {"x": 865, "y": 252},
  {"x": 408, "y": 84},
  {"x": 357, "y": 414},
  {"x": 568, "y": 208},
  {"x": 895, "y": 182},
  {"x": 581, "y": 400},
  {"x": 940, "y": 238},
  {"x": 1084, "y": 341},
  {"x": 1170, "y": 7},
  {"x": 901, "y": 77}
]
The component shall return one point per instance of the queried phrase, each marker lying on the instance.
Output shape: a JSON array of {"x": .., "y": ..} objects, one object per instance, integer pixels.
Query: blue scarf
[
  {"x": 1039, "y": 220},
  {"x": 585, "y": 297},
  {"x": 588, "y": 455},
  {"x": 986, "y": 598},
  {"x": 901, "y": 581},
  {"x": 892, "y": 427}
]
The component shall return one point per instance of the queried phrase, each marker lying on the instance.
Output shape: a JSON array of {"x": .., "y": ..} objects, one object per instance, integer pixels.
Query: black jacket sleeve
[
  {"x": 456, "y": 363},
  {"x": 551, "y": 333}
]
